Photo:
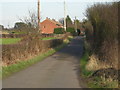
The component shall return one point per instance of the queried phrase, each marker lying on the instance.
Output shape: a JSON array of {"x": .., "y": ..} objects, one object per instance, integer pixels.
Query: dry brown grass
[{"x": 95, "y": 64}]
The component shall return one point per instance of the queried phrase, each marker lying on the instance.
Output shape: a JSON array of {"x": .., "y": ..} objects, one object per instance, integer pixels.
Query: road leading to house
[{"x": 60, "y": 70}]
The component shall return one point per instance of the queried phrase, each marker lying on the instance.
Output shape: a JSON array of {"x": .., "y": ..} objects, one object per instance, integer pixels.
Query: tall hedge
[
  {"x": 58, "y": 31},
  {"x": 70, "y": 29},
  {"x": 104, "y": 19}
]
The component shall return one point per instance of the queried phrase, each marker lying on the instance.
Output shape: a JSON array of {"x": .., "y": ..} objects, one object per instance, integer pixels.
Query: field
[
  {"x": 9, "y": 40},
  {"x": 15, "y": 40},
  {"x": 49, "y": 38}
]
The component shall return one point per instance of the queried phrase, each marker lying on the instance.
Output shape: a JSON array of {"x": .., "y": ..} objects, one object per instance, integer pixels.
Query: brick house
[{"x": 48, "y": 26}]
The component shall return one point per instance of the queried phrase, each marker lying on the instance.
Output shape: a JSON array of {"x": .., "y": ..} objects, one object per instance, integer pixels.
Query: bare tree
[{"x": 31, "y": 20}]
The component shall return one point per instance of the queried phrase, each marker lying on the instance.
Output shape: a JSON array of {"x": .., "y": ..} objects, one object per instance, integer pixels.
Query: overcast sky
[{"x": 12, "y": 10}]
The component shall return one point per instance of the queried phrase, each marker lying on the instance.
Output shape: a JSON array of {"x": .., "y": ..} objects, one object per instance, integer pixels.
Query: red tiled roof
[{"x": 54, "y": 21}]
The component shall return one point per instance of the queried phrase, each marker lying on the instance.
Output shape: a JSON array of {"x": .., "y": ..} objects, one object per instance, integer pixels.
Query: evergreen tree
[{"x": 69, "y": 22}]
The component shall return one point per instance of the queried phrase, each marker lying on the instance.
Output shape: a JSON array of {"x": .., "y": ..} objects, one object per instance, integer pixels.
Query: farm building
[{"x": 48, "y": 26}]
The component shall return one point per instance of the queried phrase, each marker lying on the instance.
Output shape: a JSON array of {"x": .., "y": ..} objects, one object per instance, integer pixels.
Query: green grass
[
  {"x": 83, "y": 63},
  {"x": 94, "y": 83},
  {"x": 7, "y": 71},
  {"x": 17, "y": 32},
  {"x": 102, "y": 83},
  {"x": 86, "y": 73},
  {"x": 9, "y": 40},
  {"x": 49, "y": 38}
]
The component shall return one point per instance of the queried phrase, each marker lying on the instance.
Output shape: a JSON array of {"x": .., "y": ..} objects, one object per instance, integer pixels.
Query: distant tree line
[{"x": 70, "y": 24}]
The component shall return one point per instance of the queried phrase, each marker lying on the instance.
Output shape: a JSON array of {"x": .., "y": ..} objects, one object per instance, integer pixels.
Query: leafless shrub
[
  {"x": 104, "y": 19},
  {"x": 32, "y": 22}
]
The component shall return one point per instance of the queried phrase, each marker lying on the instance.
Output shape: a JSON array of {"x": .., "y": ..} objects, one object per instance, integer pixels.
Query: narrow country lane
[{"x": 60, "y": 70}]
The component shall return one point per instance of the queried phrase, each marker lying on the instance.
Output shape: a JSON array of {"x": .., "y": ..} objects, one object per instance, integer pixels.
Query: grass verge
[
  {"x": 100, "y": 83},
  {"x": 7, "y": 71},
  {"x": 9, "y": 40},
  {"x": 103, "y": 83},
  {"x": 84, "y": 61}
]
